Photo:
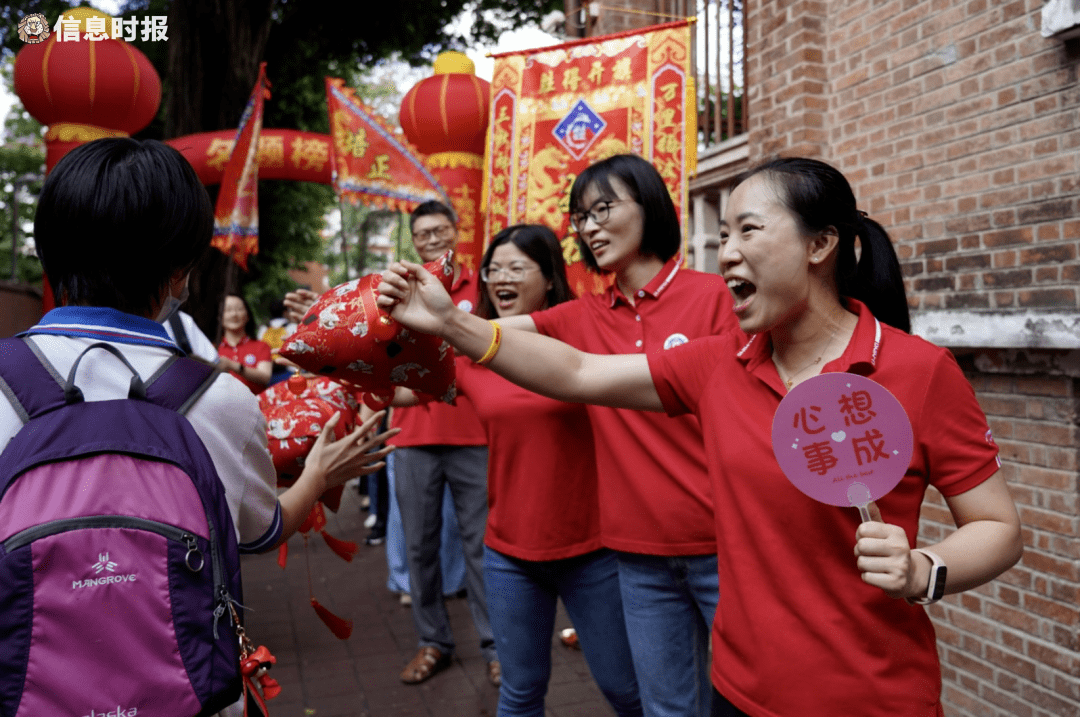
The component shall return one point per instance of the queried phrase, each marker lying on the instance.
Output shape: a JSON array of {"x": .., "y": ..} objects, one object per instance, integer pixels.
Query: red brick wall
[
  {"x": 959, "y": 127},
  {"x": 1010, "y": 648},
  {"x": 787, "y": 78},
  {"x": 958, "y": 124}
]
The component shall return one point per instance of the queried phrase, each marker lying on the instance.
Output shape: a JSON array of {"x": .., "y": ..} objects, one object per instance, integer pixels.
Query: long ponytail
[
  {"x": 819, "y": 196},
  {"x": 877, "y": 280}
]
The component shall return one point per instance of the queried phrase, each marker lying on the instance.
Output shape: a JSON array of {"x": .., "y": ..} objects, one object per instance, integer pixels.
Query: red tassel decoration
[
  {"x": 283, "y": 555},
  {"x": 341, "y": 627},
  {"x": 346, "y": 549},
  {"x": 316, "y": 520}
]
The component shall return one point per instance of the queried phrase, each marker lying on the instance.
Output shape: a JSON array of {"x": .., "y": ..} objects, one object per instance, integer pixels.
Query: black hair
[
  {"x": 117, "y": 218},
  {"x": 249, "y": 325},
  {"x": 432, "y": 207},
  {"x": 820, "y": 196},
  {"x": 661, "y": 235},
  {"x": 541, "y": 245}
]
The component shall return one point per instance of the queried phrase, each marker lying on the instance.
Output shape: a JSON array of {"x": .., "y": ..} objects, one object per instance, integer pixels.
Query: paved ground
[{"x": 323, "y": 676}]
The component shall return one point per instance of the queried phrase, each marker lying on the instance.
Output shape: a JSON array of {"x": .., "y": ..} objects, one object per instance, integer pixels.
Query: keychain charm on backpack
[{"x": 254, "y": 666}]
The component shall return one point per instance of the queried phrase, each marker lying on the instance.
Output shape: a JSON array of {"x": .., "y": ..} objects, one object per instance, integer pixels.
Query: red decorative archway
[{"x": 282, "y": 154}]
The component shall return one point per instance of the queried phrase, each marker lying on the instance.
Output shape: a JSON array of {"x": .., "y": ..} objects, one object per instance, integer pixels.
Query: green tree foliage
[{"x": 22, "y": 164}]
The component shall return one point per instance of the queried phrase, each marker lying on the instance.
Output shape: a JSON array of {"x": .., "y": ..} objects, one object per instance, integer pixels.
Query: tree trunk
[{"x": 215, "y": 47}]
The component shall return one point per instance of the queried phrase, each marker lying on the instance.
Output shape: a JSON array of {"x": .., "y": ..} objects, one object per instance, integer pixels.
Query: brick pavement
[{"x": 322, "y": 676}]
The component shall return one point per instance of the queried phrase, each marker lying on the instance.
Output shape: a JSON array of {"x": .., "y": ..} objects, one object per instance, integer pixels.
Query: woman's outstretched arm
[{"x": 539, "y": 363}]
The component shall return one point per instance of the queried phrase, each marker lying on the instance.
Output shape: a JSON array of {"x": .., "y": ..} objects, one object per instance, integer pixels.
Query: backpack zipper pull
[{"x": 193, "y": 554}]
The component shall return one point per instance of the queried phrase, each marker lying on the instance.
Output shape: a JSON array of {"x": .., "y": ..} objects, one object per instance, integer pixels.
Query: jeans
[
  {"x": 451, "y": 557},
  {"x": 669, "y": 604},
  {"x": 521, "y": 598}
]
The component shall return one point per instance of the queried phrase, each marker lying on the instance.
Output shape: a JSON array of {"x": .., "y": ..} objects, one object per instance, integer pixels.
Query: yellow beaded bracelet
[{"x": 496, "y": 340}]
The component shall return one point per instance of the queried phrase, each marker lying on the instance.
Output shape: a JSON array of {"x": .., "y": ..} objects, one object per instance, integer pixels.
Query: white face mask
[{"x": 172, "y": 304}]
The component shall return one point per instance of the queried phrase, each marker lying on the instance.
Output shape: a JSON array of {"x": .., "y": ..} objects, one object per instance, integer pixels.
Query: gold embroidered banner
[
  {"x": 372, "y": 163},
  {"x": 557, "y": 110}
]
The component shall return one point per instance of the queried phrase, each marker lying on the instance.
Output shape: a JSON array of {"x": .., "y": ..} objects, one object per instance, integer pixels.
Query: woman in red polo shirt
[
  {"x": 240, "y": 353},
  {"x": 543, "y": 538},
  {"x": 543, "y": 531},
  {"x": 810, "y": 623},
  {"x": 656, "y": 507}
]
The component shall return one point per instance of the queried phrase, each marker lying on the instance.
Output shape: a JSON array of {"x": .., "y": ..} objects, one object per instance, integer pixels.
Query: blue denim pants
[
  {"x": 521, "y": 605},
  {"x": 669, "y": 604}
]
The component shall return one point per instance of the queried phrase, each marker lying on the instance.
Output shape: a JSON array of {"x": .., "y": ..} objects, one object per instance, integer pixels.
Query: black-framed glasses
[
  {"x": 442, "y": 232},
  {"x": 599, "y": 212},
  {"x": 514, "y": 274}
]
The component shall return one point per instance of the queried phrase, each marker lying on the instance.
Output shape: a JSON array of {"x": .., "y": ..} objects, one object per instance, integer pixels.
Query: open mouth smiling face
[
  {"x": 515, "y": 283},
  {"x": 763, "y": 256}
]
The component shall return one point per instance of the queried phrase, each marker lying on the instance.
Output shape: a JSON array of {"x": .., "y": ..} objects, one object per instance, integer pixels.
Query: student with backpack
[{"x": 120, "y": 520}]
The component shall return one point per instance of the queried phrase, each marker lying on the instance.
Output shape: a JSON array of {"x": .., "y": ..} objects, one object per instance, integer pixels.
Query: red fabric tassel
[
  {"x": 283, "y": 555},
  {"x": 316, "y": 520},
  {"x": 346, "y": 549},
  {"x": 332, "y": 498},
  {"x": 341, "y": 627}
]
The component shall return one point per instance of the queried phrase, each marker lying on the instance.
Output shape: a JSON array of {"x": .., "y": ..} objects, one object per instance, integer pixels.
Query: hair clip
[{"x": 861, "y": 213}]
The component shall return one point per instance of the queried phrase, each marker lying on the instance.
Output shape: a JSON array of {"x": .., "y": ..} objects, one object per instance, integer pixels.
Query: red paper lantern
[
  {"x": 448, "y": 112},
  {"x": 87, "y": 89}
]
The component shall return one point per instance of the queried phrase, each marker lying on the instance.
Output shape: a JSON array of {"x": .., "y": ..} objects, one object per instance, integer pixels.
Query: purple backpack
[{"x": 118, "y": 557}]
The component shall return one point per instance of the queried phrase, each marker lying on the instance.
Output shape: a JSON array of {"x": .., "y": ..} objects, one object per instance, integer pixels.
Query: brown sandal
[{"x": 426, "y": 663}]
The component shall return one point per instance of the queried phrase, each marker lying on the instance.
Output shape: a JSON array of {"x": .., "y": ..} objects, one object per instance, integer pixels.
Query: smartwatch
[{"x": 935, "y": 588}]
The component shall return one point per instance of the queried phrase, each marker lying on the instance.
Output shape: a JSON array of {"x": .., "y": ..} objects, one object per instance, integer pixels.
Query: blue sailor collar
[{"x": 104, "y": 324}]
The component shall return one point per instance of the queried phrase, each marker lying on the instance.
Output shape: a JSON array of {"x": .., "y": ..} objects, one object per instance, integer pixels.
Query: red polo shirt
[
  {"x": 435, "y": 423},
  {"x": 654, "y": 488},
  {"x": 797, "y": 631},
  {"x": 248, "y": 352},
  {"x": 542, "y": 502}
]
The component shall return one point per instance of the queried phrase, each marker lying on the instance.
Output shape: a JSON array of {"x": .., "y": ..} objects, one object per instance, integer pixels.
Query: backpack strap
[
  {"x": 28, "y": 380},
  {"x": 73, "y": 394},
  {"x": 180, "y": 333},
  {"x": 33, "y": 386},
  {"x": 179, "y": 383}
]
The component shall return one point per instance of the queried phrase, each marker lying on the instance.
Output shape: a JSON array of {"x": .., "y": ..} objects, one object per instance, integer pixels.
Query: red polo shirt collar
[
  {"x": 465, "y": 274},
  {"x": 654, "y": 288},
  {"x": 860, "y": 356}
]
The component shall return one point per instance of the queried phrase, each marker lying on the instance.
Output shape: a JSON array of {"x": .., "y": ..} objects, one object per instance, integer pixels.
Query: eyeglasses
[
  {"x": 515, "y": 274},
  {"x": 599, "y": 212},
  {"x": 442, "y": 232}
]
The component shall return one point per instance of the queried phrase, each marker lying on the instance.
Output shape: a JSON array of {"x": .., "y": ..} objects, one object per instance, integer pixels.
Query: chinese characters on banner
[
  {"x": 838, "y": 429},
  {"x": 371, "y": 163},
  {"x": 152, "y": 28},
  {"x": 557, "y": 110},
  {"x": 236, "y": 218}
]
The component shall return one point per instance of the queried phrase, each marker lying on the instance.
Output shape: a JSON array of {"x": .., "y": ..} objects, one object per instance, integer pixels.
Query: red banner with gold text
[
  {"x": 557, "y": 110},
  {"x": 371, "y": 163}
]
